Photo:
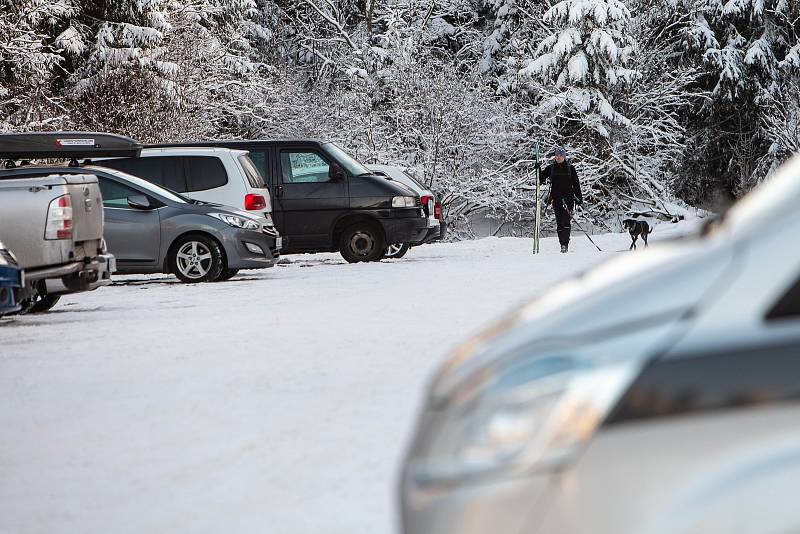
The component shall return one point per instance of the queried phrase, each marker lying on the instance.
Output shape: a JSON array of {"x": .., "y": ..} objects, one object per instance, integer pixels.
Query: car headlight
[
  {"x": 531, "y": 415},
  {"x": 404, "y": 202},
  {"x": 236, "y": 221}
]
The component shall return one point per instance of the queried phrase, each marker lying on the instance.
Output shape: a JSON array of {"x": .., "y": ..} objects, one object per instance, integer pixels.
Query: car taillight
[
  {"x": 437, "y": 210},
  {"x": 427, "y": 204},
  {"x": 254, "y": 202},
  {"x": 59, "y": 219}
]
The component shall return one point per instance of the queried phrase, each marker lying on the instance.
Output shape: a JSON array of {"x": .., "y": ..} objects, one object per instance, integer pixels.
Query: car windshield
[
  {"x": 149, "y": 186},
  {"x": 350, "y": 164}
]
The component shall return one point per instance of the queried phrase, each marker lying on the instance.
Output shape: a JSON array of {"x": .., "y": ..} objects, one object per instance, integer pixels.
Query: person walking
[{"x": 565, "y": 191}]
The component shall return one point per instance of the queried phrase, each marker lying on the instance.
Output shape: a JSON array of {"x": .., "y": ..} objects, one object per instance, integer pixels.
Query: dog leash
[{"x": 569, "y": 212}]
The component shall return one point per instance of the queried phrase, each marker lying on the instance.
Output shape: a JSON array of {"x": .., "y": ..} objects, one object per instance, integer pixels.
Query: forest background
[{"x": 657, "y": 101}]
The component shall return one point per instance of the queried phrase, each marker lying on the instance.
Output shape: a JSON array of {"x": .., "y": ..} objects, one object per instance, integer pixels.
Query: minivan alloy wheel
[
  {"x": 194, "y": 260},
  {"x": 396, "y": 251}
]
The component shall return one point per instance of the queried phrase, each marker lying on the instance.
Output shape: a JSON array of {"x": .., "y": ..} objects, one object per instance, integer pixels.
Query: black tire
[
  {"x": 196, "y": 258},
  {"x": 396, "y": 251},
  {"x": 44, "y": 303},
  {"x": 36, "y": 299},
  {"x": 362, "y": 241},
  {"x": 227, "y": 274}
]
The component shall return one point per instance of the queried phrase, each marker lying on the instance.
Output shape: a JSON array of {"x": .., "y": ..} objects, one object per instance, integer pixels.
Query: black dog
[{"x": 636, "y": 229}]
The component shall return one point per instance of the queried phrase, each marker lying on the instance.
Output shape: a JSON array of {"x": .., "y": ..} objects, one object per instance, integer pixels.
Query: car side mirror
[
  {"x": 139, "y": 202},
  {"x": 336, "y": 173}
]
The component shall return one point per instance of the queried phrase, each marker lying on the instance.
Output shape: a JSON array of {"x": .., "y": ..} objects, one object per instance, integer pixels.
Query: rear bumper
[
  {"x": 241, "y": 252},
  {"x": 10, "y": 283},
  {"x": 77, "y": 277},
  {"x": 435, "y": 233}
]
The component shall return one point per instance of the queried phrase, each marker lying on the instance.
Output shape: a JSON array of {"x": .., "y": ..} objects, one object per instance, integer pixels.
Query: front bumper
[
  {"x": 236, "y": 242},
  {"x": 405, "y": 229},
  {"x": 510, "y": 506}
]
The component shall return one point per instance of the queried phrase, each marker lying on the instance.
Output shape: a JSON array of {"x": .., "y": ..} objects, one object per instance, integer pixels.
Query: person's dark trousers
[{"x": 563, "y": 226}]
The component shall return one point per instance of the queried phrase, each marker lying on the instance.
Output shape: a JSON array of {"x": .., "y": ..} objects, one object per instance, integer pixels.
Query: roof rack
[{"x": 67, "y": 145}]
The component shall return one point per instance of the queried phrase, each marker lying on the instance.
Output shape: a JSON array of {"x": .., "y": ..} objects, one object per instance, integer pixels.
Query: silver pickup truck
[{"x": 53, "y": 223}]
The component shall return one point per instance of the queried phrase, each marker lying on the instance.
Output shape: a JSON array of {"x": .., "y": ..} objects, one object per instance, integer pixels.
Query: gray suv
[{"x": 151, "y": 229}]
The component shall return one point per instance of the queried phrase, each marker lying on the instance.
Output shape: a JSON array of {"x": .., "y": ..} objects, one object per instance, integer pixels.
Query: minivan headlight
[
  {"x": 236, "y": 221},
  {"x": 533, "y": 415},
  {"x": 404, "y": 202}
]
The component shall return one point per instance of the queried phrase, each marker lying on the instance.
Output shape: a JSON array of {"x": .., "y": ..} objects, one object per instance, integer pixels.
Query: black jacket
[{"x": 564, "y": 181}]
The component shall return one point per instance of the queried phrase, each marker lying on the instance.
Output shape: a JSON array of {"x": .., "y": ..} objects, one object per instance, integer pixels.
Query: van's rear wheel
[
  {"x": 196, "y": 258},
  {"x": 362, "y": 242},
  {"x": 396, "y": 251}
]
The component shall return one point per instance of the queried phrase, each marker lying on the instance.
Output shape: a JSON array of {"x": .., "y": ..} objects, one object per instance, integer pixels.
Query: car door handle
[{"x": 279, "y": 191}]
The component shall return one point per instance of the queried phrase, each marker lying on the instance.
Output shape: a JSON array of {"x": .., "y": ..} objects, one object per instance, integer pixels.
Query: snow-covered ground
[{"x": 277, "y": 402}]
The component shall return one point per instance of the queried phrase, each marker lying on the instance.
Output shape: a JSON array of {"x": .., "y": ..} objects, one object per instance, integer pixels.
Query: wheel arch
[{"x": 350, "y": 219}]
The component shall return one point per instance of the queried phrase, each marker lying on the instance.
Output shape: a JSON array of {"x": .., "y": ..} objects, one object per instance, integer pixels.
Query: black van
[{"x": 324, "y": 200}]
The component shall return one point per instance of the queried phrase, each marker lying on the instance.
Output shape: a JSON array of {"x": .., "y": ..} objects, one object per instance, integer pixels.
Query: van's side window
[
  {"x": 115, "y": 195},
  {"x": 205, "y": 172},
  {"x": 303, "y": 167}
]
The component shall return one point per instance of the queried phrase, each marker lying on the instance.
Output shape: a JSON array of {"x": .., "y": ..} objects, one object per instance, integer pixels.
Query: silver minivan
[{"x": 657, "y": 393}]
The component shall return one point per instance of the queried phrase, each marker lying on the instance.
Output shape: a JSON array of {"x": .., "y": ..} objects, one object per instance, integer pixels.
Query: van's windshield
[{"x": 350, "y": 164}]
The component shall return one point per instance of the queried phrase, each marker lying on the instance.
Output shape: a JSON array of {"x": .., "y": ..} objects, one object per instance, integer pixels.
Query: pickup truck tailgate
[
  {"x": 23, "y": 215},
  {"x": 87, "y": 206}
]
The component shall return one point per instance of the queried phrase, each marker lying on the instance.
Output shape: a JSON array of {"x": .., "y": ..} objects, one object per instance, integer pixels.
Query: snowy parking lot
[{"x": 278, "y": 402}]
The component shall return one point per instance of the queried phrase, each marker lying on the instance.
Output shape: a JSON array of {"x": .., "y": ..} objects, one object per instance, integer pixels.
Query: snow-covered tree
[
  {"x": 584, "y": 64},
  {"x": 33, "y": 36},
  {"x": 749, "y": 49}
]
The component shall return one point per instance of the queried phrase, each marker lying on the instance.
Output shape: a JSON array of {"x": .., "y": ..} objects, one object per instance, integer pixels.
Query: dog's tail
[{"x": 649, "y": 229}]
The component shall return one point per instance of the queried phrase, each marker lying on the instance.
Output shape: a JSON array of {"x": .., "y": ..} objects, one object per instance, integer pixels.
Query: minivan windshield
[{"x": 350, "y": 164}]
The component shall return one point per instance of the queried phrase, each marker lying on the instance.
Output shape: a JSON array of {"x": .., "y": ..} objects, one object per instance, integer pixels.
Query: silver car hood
[{"x": 660, "y": 284}]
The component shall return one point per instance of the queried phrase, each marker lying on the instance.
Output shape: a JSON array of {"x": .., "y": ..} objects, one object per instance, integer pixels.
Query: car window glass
[
  {"x": 115, "y": 194},
  {"x": 259, "y": 159},
  {"x": 254, "y": 177},
  {"x": 166, "y": 171},
  {"x": 303, "y": 167},
  {"x": 788, "y": 306},
  {"x": 205, "y": 172},
  {"x": 413, "y": 180}
]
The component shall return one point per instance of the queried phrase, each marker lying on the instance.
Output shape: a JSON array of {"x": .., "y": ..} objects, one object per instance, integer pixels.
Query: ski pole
[{"x": 569, "y": 212}]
